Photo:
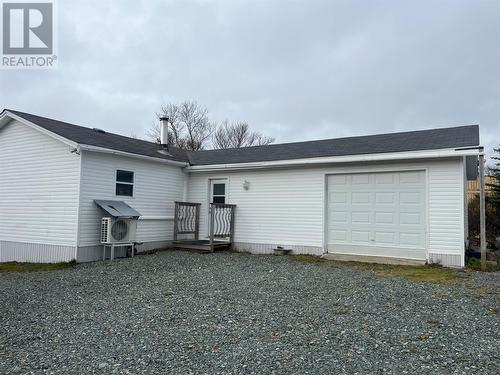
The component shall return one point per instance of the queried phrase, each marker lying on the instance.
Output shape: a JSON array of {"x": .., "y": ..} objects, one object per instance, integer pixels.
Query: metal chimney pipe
[{"x": 164, "y": 131}]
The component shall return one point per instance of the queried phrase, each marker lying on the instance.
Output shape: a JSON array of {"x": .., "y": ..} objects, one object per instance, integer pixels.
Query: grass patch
[
  {"x": 475, "y": 264},
  {"x": 34, "y": 267},
  {"x": 312, "y": 259},
  {"x": 434, "y": 274},
  {"x": 428, "y": 273}
]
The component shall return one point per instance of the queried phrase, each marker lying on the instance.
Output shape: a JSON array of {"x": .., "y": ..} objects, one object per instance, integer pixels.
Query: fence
[{"x": 473, "y": 187}]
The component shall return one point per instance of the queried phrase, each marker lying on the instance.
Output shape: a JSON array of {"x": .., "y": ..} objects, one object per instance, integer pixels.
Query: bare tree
[
  {"x": 189, "y": 129},
  {"x": 237, "y": 135}
]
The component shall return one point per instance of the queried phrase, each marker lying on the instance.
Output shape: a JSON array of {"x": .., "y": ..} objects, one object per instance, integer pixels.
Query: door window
[{"x": 219, "y": 192}]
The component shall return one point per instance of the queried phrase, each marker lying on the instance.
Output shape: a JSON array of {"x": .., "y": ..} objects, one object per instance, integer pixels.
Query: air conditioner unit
[{"x": 116, "y": 230}]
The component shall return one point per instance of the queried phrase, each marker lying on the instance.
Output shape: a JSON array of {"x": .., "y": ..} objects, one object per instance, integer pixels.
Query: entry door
[
  {"x": 378, "y": 214},
  {"x": 218, "y": 194},
  {"x": 218, "y": 191}
]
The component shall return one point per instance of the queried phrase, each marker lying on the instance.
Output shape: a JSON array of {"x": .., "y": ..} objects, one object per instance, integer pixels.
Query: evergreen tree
[{"x": 494, "y": 197}]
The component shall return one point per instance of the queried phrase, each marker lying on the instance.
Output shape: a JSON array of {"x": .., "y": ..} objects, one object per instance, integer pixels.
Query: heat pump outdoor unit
[{"x": 117, "y": 230}]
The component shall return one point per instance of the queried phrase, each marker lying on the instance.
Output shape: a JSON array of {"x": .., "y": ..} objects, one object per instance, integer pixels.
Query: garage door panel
[
  {"x": 360, "y": 198},
  {"x": 338, "y": 197},
  {"x": 360, "y": 179},
  {"x": 385, "y": 198},
  {"x": 384, "y": 217},
  {"x": 338, "y": 235},
  {"x": 411, "y": 198},
  {"x": 411, "y": 239},
  {"x": 378, "y": 214},
  {"x": 385, "y": 238},
  {"x": 413, "y": 179},
  {"x": 338, "y": 217},
  {"x": 360, "y": 217},
  {"x": 410, "y": 218},
  {"x": 337, "y": 180},
  {"x": 360, "y": 236},
  {"x": 384, "y": 179}
]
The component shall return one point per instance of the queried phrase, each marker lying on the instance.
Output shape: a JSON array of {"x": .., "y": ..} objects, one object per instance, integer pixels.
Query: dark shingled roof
[
  {"x": 433, "y": 139},
  {"x": 91, "y": 137}
]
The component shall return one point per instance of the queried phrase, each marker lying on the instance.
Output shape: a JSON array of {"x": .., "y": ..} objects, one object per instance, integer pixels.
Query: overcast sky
[{"x": 295, "y": 70}]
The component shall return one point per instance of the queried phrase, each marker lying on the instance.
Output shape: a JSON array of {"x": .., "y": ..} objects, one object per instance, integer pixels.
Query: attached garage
[{"x": 378, "y": 214}]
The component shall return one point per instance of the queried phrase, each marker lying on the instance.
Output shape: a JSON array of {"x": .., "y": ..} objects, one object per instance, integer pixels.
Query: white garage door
[{"x": 380, "y": 214}]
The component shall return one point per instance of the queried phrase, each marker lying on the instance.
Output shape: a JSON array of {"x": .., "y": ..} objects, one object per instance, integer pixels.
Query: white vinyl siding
[
  {"x": 39, "y": 179},
  {"x": 446, "y": 209},
  {"x": 156, "y": 187},
  {"x": 287, "y": 206}
]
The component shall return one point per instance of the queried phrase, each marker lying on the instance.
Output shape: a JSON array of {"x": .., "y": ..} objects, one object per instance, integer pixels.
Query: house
[{"x": 400, "y": 195}]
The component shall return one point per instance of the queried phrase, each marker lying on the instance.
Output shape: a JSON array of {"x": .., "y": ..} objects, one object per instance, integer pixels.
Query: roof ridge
[{"x": 344, "y": 138}]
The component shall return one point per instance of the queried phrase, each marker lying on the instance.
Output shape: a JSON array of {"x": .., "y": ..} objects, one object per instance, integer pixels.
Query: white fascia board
[
  {"x": 4, "y": 121},
  {"x": 131, "y": 155},
  {"x": 409, "y": 155}
]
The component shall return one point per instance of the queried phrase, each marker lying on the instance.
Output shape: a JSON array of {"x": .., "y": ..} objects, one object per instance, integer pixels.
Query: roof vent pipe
[{"x": 164, "y": 131}]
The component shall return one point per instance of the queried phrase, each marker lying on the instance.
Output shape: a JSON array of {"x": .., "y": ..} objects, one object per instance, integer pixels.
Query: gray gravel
[{"x": 180, "y": 312}]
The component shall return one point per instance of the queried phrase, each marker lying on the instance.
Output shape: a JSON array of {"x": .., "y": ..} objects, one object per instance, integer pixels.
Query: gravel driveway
[{"x": 181, "y": 312}]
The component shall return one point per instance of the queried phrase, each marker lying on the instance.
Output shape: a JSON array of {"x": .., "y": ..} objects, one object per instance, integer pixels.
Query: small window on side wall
[{"x": 124, "y": 183}]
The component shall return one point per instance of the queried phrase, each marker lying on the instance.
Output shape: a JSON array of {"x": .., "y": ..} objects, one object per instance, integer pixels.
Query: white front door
[
  {"x": 217, "y": 194},
  {"x": 218, "y": 190},
  {"x": 379, "y": 214}
]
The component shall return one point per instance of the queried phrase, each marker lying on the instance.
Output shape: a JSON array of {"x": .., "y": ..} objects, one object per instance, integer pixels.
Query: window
[
  {"x": 124, "y": 183},
  {"x": 219, "y": 193}
]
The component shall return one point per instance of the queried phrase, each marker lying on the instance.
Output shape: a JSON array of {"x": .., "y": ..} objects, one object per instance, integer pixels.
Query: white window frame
[
  {"x": 125, "y": 183},
  {"x": 211, "y": 194}
]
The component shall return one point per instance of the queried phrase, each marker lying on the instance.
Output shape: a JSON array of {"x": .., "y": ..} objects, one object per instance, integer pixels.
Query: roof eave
[
  {"x": 406, "y": 155},
  {"x": 132, "y": 155}
]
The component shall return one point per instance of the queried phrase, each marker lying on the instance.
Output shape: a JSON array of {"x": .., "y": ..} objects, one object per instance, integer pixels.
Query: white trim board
[{"x": 409, "y": 155}]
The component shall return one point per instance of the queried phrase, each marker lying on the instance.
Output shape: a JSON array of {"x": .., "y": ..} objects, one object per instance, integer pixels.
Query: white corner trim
[
  {"x": 129, "y": 154},
  {"x": 36, "y": 127},
  {"x": 407, "y": 155}
]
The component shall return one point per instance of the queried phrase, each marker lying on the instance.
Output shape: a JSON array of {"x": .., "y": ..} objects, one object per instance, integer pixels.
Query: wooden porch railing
[
  {"x": 221, "y": 221},
  {"x": 221, "y": 225},
  {"x": 187, "y": 219}
]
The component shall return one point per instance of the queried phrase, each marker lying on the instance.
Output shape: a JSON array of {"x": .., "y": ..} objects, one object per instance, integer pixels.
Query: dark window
[
  {"x": 125, "y": 190},
  {"x": 220, "y": 200},
  {"x": 219, "y": 193},
  {"x": 124, "y": 183},
  {"x": 124, "y": 176},
  {"x": 219, "y": 189}
]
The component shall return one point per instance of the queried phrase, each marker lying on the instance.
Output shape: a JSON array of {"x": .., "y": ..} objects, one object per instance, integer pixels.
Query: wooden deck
[
  {"x": 203, "y": 245},
  {"x": 187, "y": 223}
]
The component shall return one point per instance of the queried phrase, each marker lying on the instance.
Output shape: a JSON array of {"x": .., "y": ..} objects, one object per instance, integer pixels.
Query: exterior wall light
[{"x": 246, "y": 185}]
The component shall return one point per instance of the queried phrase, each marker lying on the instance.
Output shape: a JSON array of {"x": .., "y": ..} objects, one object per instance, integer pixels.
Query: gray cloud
[{"x": 294, "y": 70}]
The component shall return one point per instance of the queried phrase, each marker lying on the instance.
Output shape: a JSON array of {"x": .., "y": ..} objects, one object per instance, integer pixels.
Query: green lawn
[{"x": 34, "y": 267}]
